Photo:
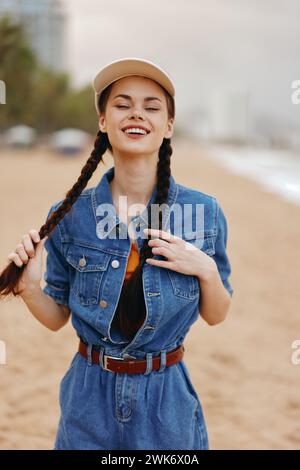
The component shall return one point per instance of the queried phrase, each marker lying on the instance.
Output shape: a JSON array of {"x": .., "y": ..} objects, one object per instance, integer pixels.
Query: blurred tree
[
  {"x": 78, "y": 110},
  {"x": 36, "y": 95},
  {"x": 17, "y": 67},
  {"x": 46, "y": 101}
]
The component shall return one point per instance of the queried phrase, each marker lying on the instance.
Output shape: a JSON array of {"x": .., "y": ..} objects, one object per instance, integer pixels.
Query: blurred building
[
  {"x": 220, "y": 116},
  {"x": 45, "y": 24}
]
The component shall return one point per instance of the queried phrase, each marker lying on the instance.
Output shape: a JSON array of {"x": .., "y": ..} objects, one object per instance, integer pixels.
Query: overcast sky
[{"x": 204, "y": 45}]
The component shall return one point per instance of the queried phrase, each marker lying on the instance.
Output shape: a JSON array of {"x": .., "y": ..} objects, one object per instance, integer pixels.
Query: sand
[{"x": 241, "y": 368}]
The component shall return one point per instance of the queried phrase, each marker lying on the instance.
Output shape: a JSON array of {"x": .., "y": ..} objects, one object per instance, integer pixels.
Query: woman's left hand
[{"x": 182, "y": 256}]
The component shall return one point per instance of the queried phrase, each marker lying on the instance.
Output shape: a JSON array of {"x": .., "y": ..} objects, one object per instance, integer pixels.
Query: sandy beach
[{"x": 241, "y": 368}]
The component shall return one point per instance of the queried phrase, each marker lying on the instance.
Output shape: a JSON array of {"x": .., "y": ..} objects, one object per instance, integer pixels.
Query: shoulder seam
[{"x": 217, "y": 214}]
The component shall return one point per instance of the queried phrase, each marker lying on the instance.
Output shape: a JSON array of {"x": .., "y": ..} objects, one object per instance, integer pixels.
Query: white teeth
[{"x": 135, "y": 130}]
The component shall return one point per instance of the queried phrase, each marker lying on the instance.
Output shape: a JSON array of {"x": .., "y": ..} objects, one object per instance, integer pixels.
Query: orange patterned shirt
[{"x": 133, "y": 260}]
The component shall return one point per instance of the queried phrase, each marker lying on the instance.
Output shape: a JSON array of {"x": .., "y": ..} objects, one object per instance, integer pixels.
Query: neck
[{"x": 136, "y": 182}]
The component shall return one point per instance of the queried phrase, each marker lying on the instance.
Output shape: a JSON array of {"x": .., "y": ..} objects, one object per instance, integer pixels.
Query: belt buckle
[{"x": 105, "y": 357}]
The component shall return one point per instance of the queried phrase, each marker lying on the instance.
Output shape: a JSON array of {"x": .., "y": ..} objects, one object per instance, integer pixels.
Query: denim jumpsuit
[{"x": 85, "y": 270}]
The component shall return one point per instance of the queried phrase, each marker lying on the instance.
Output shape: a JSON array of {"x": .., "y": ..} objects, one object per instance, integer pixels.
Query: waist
[{"x": 130, "y": 365}]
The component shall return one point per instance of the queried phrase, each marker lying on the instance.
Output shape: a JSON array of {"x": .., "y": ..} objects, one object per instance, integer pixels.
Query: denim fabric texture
[{"x": 87, "y": 254}]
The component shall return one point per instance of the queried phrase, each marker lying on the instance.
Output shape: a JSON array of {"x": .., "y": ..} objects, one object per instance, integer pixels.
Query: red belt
[{"x": 131, "y": 366}]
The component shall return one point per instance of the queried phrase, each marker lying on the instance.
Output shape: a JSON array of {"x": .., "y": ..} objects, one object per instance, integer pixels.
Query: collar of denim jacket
[{"x": 101, "y": 194}]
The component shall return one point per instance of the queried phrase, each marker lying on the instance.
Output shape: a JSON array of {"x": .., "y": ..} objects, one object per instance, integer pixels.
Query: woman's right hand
[{"x": 26, "y": 254}]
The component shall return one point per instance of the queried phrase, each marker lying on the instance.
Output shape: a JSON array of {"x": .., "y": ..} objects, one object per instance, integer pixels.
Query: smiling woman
[{"x": 132, "y": 302}]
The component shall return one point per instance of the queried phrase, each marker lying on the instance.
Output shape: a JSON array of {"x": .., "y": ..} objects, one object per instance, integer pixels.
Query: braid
[
  {"x": 163, "y": 184},
  {"x": 11, "y": 274}
]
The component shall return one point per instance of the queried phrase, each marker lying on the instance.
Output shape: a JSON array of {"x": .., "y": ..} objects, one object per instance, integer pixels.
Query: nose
[{"x": 136, "y": 114}]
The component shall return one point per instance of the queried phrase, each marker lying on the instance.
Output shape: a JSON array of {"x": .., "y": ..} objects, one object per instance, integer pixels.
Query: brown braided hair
[{"x": 131, "y": 309}]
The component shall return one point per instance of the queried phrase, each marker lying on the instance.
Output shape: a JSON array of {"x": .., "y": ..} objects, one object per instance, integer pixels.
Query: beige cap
[{"x": 130, "y": 66}]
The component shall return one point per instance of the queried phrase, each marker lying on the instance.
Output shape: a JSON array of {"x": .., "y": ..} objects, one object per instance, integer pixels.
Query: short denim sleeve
[
  {"x": 220, "y": 255},
  {"x": 57, "y": 271}
]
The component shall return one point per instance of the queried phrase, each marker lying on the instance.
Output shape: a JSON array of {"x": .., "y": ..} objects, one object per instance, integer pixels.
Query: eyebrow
[{"x": 127, "y": 97}]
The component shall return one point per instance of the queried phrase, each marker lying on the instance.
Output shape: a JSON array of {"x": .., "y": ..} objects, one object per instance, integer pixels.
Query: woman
[{"x": 133, "y": 279}]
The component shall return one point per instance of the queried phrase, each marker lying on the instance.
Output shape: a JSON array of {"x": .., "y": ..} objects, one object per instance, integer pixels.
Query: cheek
[
  {"x": 113, "y": 126},
  {"x": 158, "y": 133},
  {"x": 114, "y": 118}
]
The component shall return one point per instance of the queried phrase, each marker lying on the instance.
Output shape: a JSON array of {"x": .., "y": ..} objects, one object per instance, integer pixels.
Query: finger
[
  {"x": 159, "y": 242},
  {"x": 159, "y": 263},
  {"x": 20, "y": 250},
  {"x": 35, "y": 235},
  {"x": 28, "y": 245},
  {"x": 41, "y": 244},
  {"x": 162, "y": 234},
  {"x": 14, "y": 257},
  {"x": 161, "y": 250}
]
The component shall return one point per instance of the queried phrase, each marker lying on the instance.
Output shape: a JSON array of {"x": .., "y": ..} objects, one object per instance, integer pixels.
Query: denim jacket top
[{"x": 87, "y": 258}]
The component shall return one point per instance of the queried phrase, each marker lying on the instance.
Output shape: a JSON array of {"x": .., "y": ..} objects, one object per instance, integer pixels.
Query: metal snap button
[
  {"x": 82, "y": 262},
  {"x": 103, "y": 303},
  {"x": 115, "y": 263}
]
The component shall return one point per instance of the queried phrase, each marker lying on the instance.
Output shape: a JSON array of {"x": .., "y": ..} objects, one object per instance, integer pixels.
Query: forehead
[{"x": 138, "y": 86}]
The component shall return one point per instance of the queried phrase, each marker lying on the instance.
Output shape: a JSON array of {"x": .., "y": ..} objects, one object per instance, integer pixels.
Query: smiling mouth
[{"x": 135, "y": 135}]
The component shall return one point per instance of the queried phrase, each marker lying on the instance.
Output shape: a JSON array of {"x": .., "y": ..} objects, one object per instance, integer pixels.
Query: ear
[
  {"x": 102, "y": 123},
  {"x": 170, "y": 129}
]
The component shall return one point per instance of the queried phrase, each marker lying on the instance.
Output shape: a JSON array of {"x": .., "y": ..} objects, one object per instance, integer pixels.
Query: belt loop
[
  {"x": 149, "y": 366},
  {"x": 163, "y": 360},
  {"x": 101, "y": 358},
  {"x": 89, "y": 354}
]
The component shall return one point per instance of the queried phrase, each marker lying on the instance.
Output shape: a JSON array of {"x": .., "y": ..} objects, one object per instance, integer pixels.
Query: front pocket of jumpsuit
[
  {"x": 199, "y": 418},
  {"x": 187, "y": 286},
  {"x": 187, "y": 383},
  {"x": 72, "y": 364},
  {"x": 63, "y": 381},
  {"x": 89, "y": 268}
]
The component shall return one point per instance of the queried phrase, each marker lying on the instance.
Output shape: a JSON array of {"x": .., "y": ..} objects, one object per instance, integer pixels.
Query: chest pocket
[
  {"x": 89, "y": 266},
  {"x": 187, "y": 286}
]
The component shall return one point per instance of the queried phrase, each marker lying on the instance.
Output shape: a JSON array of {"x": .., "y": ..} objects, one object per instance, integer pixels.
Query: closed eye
[{"x": 148, "y": 109}]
